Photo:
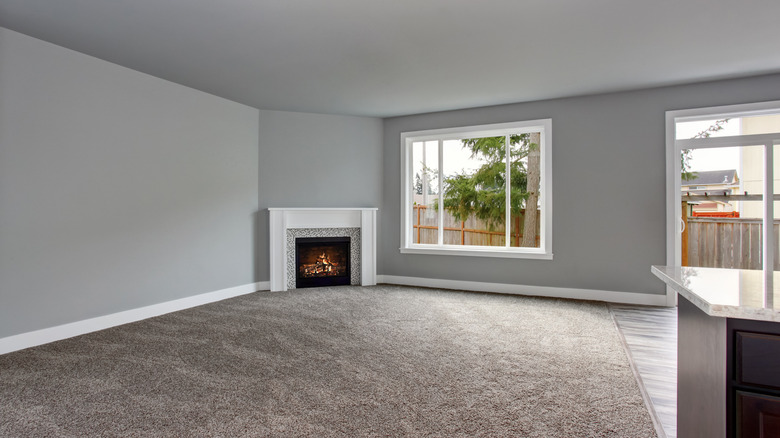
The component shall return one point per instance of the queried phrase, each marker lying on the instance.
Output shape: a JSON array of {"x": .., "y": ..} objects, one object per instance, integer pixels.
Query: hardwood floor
[{"x": 650, "y": 334}]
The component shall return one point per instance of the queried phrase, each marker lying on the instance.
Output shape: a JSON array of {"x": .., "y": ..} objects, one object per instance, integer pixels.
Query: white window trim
[
  {"x": 544, "y": 251},
  {"x": 673, "y": 184}
]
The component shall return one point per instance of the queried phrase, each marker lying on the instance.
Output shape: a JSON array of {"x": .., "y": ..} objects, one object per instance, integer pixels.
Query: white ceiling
[{"x": 394, "y": 57}]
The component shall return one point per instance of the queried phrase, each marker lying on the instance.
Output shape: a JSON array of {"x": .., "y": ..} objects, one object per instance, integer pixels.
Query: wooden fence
[
  {"x": 728, "y": 243},
  {"x": 469, "y": 232}
]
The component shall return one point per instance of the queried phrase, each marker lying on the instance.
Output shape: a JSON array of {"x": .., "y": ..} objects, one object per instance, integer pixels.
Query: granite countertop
[{"x": 729, "y": 293}]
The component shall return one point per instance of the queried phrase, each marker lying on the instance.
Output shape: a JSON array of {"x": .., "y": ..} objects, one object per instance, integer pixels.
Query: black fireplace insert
[{"x": 322, "y": 261}]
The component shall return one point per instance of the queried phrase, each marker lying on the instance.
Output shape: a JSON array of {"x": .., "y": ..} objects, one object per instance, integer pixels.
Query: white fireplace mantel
[{"x": 282, "y": 219}]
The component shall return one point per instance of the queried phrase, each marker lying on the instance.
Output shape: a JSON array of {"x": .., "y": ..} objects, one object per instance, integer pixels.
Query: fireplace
[
  {"x": 285, "y": 225},
  {"x": 322, "y": 261}
]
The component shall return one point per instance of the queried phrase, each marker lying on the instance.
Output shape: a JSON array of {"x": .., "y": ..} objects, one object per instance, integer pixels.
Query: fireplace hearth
[{"x": 322, "y": 261}]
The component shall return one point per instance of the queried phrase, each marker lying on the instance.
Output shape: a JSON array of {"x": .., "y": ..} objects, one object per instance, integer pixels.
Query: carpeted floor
[{"x": 340, "y": 361}]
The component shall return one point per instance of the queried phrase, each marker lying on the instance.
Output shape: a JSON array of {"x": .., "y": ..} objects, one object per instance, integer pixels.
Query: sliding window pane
[
  {"x": 763, "y": 124},
  {"x": 708, "y": 128},
  {"x": 474, "y": 172},
  {"x": 425, "y": 189},
  {"x": 722, "y": 200},
  {"x": 525, "y": 156},
  {"x": 776, "y": 204}
]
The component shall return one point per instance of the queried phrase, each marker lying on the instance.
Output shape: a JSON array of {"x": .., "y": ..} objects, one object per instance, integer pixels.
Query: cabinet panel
[
  {"x": 758, "y": 415},
  {"x": 758, "y": 359}
]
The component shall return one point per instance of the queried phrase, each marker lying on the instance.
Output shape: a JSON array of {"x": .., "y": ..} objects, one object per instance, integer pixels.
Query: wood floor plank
[{"x": 650, "y": 334}]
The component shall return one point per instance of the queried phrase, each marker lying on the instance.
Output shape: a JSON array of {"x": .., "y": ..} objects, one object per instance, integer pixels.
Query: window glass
[
  {"x": 425, "y": 187},
  {"x": 722, "y": 201},
  {"x": 474, "y": 191},
  {"x": 526, "y": 189},
  {"x": 708, "y": 128}
]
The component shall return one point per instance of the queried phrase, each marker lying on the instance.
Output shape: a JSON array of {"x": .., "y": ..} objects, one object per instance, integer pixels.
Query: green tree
[
  {"x": 483, "y": 192},
  {"x": 685, "y": 165},
  {"x": 427, "y": 178},
  {"x": 418, "y": 184}
]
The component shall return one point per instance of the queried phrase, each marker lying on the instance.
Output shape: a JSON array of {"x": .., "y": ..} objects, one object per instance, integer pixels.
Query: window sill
[{"x": 475, "y": 252}]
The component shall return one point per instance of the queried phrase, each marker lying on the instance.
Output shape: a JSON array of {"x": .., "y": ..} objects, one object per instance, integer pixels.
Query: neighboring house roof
[{"x": 711, "y": 177}]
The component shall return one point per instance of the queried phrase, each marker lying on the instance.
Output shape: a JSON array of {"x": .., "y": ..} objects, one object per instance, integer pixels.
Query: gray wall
[
  {"x": 315, "y": 160},
  {"x": 608, "y": 187},
  {"x": 117, "y": 190}
]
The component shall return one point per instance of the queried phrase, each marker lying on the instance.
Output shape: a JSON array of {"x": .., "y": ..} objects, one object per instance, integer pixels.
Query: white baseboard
[
  {"x": 51, "y": 334},
  {"x": 539, "y": 291}
]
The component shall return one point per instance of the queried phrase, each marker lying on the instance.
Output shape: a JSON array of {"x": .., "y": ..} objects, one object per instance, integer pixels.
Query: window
[
  {"x": 734, "y": 221},
  {"x": 464, "y": 192}
]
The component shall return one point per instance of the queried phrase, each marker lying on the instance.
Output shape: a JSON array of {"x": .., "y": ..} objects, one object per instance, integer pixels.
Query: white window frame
[
  {"x": 675, "y": 146},
  {"x": 544, "y": 251}
]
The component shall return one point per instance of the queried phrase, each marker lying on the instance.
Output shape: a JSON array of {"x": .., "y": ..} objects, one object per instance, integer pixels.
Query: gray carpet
[{"x": 340, "y": 361}]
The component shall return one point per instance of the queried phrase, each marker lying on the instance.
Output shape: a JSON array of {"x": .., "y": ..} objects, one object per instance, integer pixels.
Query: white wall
[{"x": 117, "y": 190}]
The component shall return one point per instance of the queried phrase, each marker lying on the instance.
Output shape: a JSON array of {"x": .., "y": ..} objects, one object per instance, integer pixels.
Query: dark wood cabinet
[
  {"x": 757, "y": 415},
  {"x": 754, "y": 379},
  {"x": 758, "y": 359}
]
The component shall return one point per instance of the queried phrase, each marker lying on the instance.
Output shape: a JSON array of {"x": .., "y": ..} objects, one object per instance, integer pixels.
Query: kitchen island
[{"x": 728, "y": 351}]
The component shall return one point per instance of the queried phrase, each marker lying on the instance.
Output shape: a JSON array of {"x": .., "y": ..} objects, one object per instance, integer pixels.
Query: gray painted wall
[
  {"x": 315, "y": 160},
  {"x": 117, "y": 189},
  {"x": 608, "y": 187}
]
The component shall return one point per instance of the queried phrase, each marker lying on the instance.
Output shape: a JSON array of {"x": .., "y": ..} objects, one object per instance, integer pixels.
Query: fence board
[
  {"x": 755, "y": 246},
  {"x": 746, "y": 242},
  {"x": 776, "y": 236},
  {"x": 709, "y": 255},
  {"x": 727, "y": 242},
  {"x": 737, "y": 248},
  {"x": 693, "y": 245}
]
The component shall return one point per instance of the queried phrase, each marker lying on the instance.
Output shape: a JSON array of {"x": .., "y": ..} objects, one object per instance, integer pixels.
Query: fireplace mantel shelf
[
  {"x": 323, "y": 209},
  {"x": 282, "y": 219}
]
